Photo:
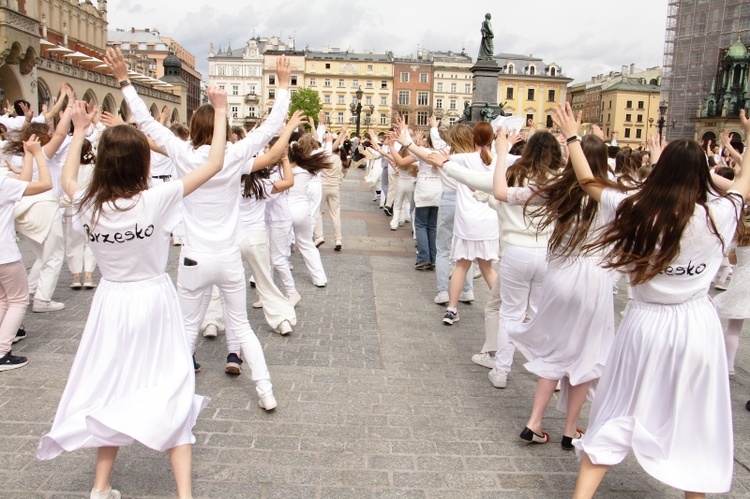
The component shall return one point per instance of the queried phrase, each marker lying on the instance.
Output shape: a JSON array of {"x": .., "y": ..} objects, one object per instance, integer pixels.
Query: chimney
[{"x": 632, "y": 68}]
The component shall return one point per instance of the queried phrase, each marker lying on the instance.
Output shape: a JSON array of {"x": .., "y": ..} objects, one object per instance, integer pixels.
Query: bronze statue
[
  {"x": 466, "y": 116},
  {"x": 486, "y": 49},
  {"x": 487, "y": 113}
]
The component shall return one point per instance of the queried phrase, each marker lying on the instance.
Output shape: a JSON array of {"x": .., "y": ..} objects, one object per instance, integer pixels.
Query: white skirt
[
  {"x": 461, "y": 249},
  {"x": 132, "y": 378},
  {"x": 664, "y": 393},
  {"x": 734, "y": 303},
  {"x": 572, "y": 332}
]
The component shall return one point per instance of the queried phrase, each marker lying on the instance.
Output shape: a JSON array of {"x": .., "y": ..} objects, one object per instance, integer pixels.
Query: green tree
[{"x": 308, "y": 101}]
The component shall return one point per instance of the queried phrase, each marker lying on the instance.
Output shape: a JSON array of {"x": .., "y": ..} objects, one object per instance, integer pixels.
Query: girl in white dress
[
  {"x": 117, "y": 394},
  {"x": 664, "y": 392}
]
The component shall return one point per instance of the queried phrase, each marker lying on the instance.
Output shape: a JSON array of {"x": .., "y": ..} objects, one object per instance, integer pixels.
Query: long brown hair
[
  {"x": 483, "y": 137},
  {"x": 121, "y": 170},
  {"x": 541, "y": 158},
  {"x": 627, "y": 163},
  {"x": 460, "y": 138},
  {"x": 644, "y": 237},
  {"x": 202, "y": 126},
  {"x": 567, "y": 205},
  {"x": 41, "y": 130},
  {"x": 302, "y": 153}
]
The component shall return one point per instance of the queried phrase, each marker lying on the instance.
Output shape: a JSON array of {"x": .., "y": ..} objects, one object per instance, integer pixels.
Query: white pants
[
  {"x": 49, "y": 259},
  {"x": 331, "y": 198},
  {"x": 77, "y": 250},
  {"x": 214, "y": 314},
  {"x": 304, "y": 240},
  {"x": 279, "y": 240},
  {"x": 522, "y": 272},
  {"x": 315, "y": 196},
  {"x": 491, "y": 316},
  {"x": 402, "y": 202},
  {"x": 276, "y": 306},
  {"x": 194, "y": 284}
]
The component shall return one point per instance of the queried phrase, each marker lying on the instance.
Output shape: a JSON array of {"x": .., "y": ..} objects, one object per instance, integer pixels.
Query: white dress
[
  {"x": 572, "y": 332},
  {"x": 664, "y": 392},
  {"x": 734, "y": 303},
  {"x": 132, "y": 378},
  {"x": 476, "y": 232}
]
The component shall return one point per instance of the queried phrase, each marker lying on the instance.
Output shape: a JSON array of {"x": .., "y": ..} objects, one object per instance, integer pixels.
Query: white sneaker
[
  {"x": 211, "y": 331},
  {"x": 485, "y": 359},
  {"x": 267, "y": 401},
  {"x": 284, "y": 328},
  {"x": 258, "y": 304},
  {"x": 721, "y": 285},
  {"x": 466, "y": 296},
  {"x": 294, "y": 298},
  {"x": 442, "y": 298},
  {"x": 107, "y": 494},
  {"x": 319, "y": 242},
  {"x": 176, "y": 241},
  {"x": 497, "y": 378},
  {"x": 41, "y": 306}
]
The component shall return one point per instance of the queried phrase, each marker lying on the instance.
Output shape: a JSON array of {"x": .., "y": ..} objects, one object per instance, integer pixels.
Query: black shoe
[
  {"x": 196, "y": 366},
  {"x": 10, "y": 361},
  {"x": 234, "y": 364},
  {"x": 20, "y": 335},
  {"x": 567, "y": 442},
  {"x": 252, "y": 284},
  {"x": 450, "y": 317},
  {"x": 530, "y": 437},
  {"x": 747, "y": 405},
  {"x": 388, "y": 211},
  {"x": 422, "y": 266}
]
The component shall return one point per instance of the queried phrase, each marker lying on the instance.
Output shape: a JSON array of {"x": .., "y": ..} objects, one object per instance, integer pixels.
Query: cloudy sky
[{"x": 585, "y": 37}]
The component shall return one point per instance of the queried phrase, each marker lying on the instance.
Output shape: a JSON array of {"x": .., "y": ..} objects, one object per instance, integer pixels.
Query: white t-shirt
[
  {"x": 474, "y": 221},
  {"x": 161, "y": 165},
  {"x": 429, "y": 187},
  {"x": 298, "y": 192},
  {"x": 133, "y": 244},
  {"x": 253, "y": 210},
  {"x": 277, "y": 205},
  {"x": 690, "y": 274},
  {"x": 11, "y": 191}
]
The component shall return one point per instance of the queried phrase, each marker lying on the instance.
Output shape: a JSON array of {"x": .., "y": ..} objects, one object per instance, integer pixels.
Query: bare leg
[
  {"x": 181, "y": 460},
  {"x": 457, "y": 282},
  {"x": 544, "y": 390},
  {"x": 589, "y": 478},
  {"x": 576, "y": 399},
  {"x": 488, "y": 271},
  {"x": 694, "y": 495},
  {"x": 732, "y": 340},
  {"x": 105, "y": 461}
]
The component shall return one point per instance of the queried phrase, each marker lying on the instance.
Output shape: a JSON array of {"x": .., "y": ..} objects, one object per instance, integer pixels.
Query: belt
[{"x": 162, "y": 177}]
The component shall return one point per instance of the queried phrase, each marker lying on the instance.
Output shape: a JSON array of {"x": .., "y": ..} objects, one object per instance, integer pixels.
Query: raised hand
[
  {"x": 655, "y": 147},
  {"x": 81, "y": 117},
  {"x": 283, "y": 71},
  {"x": 26, "y": 111},
  {"x": 32, "y": 146},
  {"x": 744, "y": 121},
  {"x": 116, "y": 62},
  {"x": 597, "y": 131},
  {"x": 217, "y": 97},
  {"x": 298, "y": 117},
  {"x": 433, "y": 121},
  {"x": 111, "y": 120},
  {"x": 566, "y": 120},
  {"x": 437, "y": 159},
  {"x": 502, "y": 144}
]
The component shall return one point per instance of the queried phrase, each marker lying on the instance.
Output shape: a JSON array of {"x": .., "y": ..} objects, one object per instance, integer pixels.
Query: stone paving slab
[{"x": 377, "y": 399}]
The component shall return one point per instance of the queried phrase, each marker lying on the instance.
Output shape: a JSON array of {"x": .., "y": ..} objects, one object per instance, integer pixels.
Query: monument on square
[{"x": 486, "y": 71}]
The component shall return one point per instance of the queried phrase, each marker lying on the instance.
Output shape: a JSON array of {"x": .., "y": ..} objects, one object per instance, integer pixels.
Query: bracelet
[
  {"x": 444, "y": 162},
  {"x": 572, "y": 139}
]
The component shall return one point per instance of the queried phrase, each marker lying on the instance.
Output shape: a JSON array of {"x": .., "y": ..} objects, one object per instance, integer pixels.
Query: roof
[
  {"x": 517, "y": 57},
  {"x": 737, "y": 51},
  {"x": 135, "y": 36},
  {"x": 630, "y": 85},
  {"x": 347, "y": 56}
]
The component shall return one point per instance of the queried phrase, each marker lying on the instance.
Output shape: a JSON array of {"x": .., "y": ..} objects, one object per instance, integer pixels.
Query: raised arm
[
  {"x": 742, "y": 182},
  {"x": 81, "y": 121},
  {"x": 274, "y": 154},
  {"x": 61, "y": 131},
  {"x": 32, "y": 150},
  {"x": 287, "y": 180},
  {"x": 726, "y": 141},
  {"x": 340, "y": 137},
  {"x": 568, "y": 124},
  {"x": 199, "y": 176}
]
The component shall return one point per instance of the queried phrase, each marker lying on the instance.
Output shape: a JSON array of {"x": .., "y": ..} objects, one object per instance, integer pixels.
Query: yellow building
[
  {"x": 452, "y": 84},
  {"x": 337, "y": 76},
  {"x": 529, "y": 87},
  {"x": 631, "y": 109}
]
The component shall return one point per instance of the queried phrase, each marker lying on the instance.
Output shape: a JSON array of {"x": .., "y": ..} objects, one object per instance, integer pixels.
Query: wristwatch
[
  {"x": 572, "y": 139},
  {"x": 124, "y": 83}
]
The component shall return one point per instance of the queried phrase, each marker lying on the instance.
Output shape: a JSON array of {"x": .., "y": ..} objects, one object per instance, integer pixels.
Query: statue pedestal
[{"x": 485, "y": 88}]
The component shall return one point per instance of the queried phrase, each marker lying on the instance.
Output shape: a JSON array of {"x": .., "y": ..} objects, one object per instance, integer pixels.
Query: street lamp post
[
  {"x": 662, "y": 114},
  {"x": 357, "y": 110}
]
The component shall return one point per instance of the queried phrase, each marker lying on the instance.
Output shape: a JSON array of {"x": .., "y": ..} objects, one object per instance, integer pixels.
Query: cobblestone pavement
[{"x": 377, "y": 399}]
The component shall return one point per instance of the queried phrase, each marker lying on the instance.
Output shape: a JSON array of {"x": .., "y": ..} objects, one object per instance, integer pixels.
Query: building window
[
  {"x": 235, "y": 111},
  {"x": 438, "y": 103},
  {"x": 404, "y": 77},
  {"x": 641, "y": 104},
  {"x": 235, "y": 71},
  {"x": 383, "y": 119},
  {"x": 454, "y": 88},
  {"x": 440, "y": 86},
  {"x": 235, "y": 90},
  {"x": 610, "y": 105},
  {"x": 293, "y": 91},
  {"x": 530, "y": 95},
  {"x": 328, "y": 65},
  {"x": 293, "y": 81},
  {"x": 509, "y": 93},
  {"x": 628, "y": 117},
  {"x": 369, "y": 67},
  {"x": 422, "y": 117},
  {"x": 222, "y": 71},
  {"x": 340, "y": 117},
  {"x": 327, "y": 117},
  {"x": 403, "y": 97},
  {"x": 341, "y": 99},
  {"x": 327, "y": 82},
  {"x": 639, "y": 118},
  {"x": 368, "y": 100},
  {"x": 553, "y": 71},
  {"x": 629, "y": 104},
  {"x": 272, "y": 79},
  {"x": 532, "y": 70},
  {"x": 313, "y": 82},
  {"x": 627, "y": 133},
  {"x": 511, "y": 69},
  {"x": 452, "y": 120},
  {"x": 252, "y": 89},
  {"x": 638, "y": 133},
  {"x": 529, "y": 117},
  {"x": 550, "y": 96},
  {"x": 422, "y": 77},
  {"x": 467, "y": 88},
  {"x": 383, "y": 84},
  {"x": 271, "y": 93},
  {"x": 251, "y": 111},
  {"x": 341, "y": 82},
  {"x": 326, "y": 99},
  {"x": 383, "y": 101},
  {"x": 355, "y": 83},
  {"x": 453, "y": 104},
  {"x": 368, "y": 84},
  {"x": 423, "y": 98}
]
